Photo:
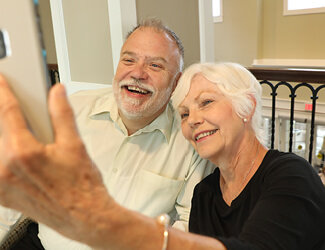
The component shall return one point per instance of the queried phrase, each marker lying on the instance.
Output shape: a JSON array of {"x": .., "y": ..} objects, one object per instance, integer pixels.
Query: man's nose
[{"x": 139, "y": 72}]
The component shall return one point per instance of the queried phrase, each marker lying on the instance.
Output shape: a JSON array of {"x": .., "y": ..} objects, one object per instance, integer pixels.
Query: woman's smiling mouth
[{"x": 204, "y": 134}]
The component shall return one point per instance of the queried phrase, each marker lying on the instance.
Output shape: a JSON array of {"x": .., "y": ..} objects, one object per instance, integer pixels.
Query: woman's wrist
[{"x": 164, "y": 220}]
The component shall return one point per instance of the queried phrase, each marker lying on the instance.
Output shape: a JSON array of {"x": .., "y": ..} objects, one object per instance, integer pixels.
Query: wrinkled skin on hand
[{"x": 56, "y": 184}]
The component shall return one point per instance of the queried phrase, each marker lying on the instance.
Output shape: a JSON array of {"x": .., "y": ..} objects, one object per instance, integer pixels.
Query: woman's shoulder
[
  {"x": 279, "y": 165},
  {"x": 275, "y": 158},
  {"x": 277, "y": 154},
  {"x": 209, "y": 184}
]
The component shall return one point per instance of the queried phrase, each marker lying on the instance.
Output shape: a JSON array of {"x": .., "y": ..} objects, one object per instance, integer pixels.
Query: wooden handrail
[
  {"x": 274, "y": 74},
  {"x": 289, "y": 75},
  {"x": 53, "y": 66}
]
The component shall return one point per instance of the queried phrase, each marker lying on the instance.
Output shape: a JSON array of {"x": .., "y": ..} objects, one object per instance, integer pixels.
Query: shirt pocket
[{"x": 154, "y": 194}]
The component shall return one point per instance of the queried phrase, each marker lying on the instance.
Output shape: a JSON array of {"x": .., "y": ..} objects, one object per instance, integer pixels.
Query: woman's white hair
[{"x": 235, "y": 82}]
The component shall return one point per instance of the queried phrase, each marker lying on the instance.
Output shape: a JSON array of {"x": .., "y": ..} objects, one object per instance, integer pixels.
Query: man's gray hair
[{"x": 160, "y": 26}]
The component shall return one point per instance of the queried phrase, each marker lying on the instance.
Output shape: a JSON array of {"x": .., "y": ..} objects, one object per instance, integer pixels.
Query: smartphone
[{"x": 23, "y": 63}]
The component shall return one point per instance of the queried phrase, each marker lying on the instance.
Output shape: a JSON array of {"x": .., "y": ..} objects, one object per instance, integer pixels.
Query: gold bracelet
[{"x": 164, "y": 219}]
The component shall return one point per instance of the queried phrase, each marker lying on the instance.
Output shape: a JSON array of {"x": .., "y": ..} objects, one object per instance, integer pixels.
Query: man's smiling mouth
[
  {"x": 136, "y": 90},
  {"x": 205, "y": 134}
]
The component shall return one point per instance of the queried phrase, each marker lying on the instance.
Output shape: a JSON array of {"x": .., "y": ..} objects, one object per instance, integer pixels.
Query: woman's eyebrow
[
  {"x": 180, "y": 108},
  {"x": 184, "y": 106}
]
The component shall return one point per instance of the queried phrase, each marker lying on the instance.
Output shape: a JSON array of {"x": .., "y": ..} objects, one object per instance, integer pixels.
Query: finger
[
  {"x": 65, "y": 128},
  {"x": 11, "y": 117}
]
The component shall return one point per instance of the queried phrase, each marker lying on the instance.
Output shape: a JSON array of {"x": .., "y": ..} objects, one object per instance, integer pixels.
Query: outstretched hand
[{"x": 56, "y": 184}]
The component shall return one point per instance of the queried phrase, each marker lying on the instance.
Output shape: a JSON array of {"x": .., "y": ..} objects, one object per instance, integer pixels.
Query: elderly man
[{"x": 132, "y": 136}]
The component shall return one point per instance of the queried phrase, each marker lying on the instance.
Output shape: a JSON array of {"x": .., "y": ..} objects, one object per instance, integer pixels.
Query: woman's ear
[{"x": 253, "y": 102}]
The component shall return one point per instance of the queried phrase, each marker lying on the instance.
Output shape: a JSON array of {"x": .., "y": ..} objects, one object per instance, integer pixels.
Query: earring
[{"x": 244, "y": 120}]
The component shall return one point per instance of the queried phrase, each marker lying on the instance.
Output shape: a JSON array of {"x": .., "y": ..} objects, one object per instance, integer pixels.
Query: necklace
[{"x": 249, "y": 170}]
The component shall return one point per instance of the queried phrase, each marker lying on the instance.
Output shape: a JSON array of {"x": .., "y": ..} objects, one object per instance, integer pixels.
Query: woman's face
[{"x": 208, "y": 120}]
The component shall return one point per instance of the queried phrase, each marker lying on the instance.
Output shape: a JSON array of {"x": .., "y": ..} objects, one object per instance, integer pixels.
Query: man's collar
[
  {"x": 104, "y": 104},
  {"x": 164, "y": 122}
]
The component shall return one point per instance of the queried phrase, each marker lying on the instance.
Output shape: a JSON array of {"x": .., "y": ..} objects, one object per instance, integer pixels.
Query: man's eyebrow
[
  {"x": 128, "y": 53},
  {"x": 148, "y": 58},
  {"x": 157, "y": 58}
]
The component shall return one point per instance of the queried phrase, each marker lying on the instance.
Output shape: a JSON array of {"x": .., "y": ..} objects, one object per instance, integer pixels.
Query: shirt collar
[{"x": 163, "y": 123}]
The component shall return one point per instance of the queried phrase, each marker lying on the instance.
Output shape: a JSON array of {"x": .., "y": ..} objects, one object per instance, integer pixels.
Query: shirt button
[{"x": 114, "y": 170}]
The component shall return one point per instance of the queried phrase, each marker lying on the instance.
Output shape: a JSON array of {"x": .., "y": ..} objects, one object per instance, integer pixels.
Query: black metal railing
[
  {"x": 283, "y": 77},
  {"x": 53, "y": 73}
]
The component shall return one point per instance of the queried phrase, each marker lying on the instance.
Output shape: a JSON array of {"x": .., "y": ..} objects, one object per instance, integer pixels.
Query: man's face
[{"x": 146, "y": 74}]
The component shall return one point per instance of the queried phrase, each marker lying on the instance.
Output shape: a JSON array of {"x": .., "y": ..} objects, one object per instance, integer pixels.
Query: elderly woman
[{"x": 256, "y": 198}]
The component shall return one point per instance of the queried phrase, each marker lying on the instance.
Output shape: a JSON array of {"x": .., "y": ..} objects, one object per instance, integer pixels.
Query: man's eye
[
  {"x": 128, "y": 60},
  {"x": 156, "y": 66}
]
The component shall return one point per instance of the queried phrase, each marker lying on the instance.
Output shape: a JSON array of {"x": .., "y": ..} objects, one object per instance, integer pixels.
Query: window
[
  {"x": 296, "y": 7},
  {"x": 217, "y": 11}
]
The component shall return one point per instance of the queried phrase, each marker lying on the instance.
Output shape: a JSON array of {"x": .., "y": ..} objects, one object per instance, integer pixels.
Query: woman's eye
[
  {"x": 204, "y": 103},
  {"x": 184, "y": 115}
]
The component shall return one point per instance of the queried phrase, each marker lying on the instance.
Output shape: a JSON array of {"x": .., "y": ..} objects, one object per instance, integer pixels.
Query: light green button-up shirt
[{"x": 153, "y": 171}]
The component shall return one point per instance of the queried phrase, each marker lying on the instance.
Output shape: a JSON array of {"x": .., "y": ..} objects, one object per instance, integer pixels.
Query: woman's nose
[{"x": 194, "y": 119}]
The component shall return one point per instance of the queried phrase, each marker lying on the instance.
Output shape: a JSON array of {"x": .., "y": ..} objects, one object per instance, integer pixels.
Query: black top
[{"x": 281, "y": 207}]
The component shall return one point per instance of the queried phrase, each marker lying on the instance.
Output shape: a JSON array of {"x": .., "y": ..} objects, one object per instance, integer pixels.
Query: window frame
[
  {"x": 287, "y": 12},
  {"x": 218, "y": 19}
]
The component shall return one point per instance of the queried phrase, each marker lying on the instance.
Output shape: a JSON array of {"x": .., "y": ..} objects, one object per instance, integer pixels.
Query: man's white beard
[{"x": 130, "y": 106}]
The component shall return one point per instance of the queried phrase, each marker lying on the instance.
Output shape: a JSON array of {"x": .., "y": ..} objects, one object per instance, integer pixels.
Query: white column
[
  {"x": 122, "y": 18},
  {"x": 206, "y": 31}
]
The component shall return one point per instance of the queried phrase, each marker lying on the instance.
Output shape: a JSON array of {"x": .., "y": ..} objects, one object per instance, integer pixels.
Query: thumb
[{"x": 64, "y": 126}]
